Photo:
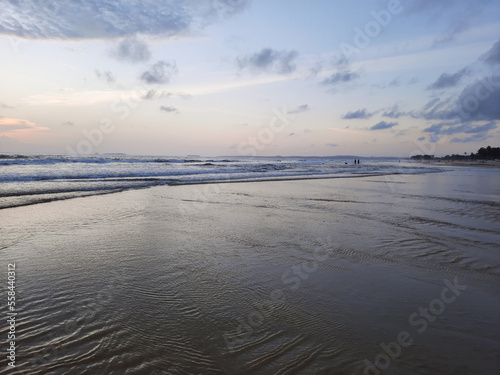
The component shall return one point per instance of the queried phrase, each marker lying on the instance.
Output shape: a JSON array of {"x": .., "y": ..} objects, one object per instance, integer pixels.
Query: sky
[{"x": 249, "y": 77}]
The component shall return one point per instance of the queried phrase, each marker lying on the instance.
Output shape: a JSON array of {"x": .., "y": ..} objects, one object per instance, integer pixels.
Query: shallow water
[
  {"x": 32, "y": 179},
  {"x": 290, "y": 277}
]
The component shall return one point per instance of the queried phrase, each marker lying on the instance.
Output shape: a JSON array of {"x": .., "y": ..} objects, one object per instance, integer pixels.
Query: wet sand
[{"x": 389, "y": 274}]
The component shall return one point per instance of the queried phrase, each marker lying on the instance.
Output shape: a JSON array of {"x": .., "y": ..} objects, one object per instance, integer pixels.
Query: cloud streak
[
  {"x": 359, "y": 114},
  {"x": 448, "y": 80},
  {"x": 492, "y": 57},
  {"x": 340, "y": 77},
  {"x": 456, "y": 28},
  {"x": 383, "y": 125},
  {"x": 476, "y": 102},
  {"x": 5, "y": 106},
  {"x": 8, "y": 125},
  {"x": 447, "y": 129},
  {"x": 299, "y": 109},
  {"x": 269, "y": 60},
  {"x": 394, "y": 112},
  {"x": 105, "y": 75},
  {"x": 168, "y": 109},
  {"x": 473, "y": 138},
  {"x": 80, "y": 19}
]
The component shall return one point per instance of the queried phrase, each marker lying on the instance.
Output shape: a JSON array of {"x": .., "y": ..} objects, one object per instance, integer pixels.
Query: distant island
[{"x": 484, "y": 153}]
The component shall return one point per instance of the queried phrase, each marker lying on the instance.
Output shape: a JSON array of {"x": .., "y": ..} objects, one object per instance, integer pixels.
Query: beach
[{"x": 389, "y": 274}]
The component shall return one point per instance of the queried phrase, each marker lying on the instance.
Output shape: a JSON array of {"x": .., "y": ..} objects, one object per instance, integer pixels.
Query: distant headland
[{"x": 483, "y": 154}]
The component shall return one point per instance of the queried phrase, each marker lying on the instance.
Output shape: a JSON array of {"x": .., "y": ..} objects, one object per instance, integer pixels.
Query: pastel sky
[{"x": 242, "y": 77}]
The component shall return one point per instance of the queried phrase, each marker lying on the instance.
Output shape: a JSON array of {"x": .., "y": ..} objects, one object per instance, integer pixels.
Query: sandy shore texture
[{"x": 374, "y": 275}]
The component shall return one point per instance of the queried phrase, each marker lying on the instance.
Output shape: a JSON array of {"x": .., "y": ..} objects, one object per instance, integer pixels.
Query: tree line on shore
[{"x": 484, "y": 153}]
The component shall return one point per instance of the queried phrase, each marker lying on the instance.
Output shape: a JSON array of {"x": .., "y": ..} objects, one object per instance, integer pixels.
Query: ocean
[
  {"x": 368, "y": 271},
  {"x": 29, "y": 179}
]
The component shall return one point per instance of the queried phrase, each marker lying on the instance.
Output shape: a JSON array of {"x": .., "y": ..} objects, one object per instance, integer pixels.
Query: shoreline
[
  {"x": 463, "y": 163},
  {"x": 213, "y": 182}
]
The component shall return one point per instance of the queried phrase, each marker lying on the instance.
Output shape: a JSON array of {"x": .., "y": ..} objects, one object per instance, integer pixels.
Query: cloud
[
  {"x": 413, "y": 80},
  {"x": 230, "y": 7},
  {"x": 160, "y": 94},
  {"x": 395, "y": 82},
  {"x": 449, "y": 128},
  {"x": 73, "y": 97},
  {"x": 307, "y": 131},
  {"x": 472, "y": 131},
  {"x": 435, "y": 128},
  {"x": 454, "y": 16},
  {"x": 105, "y": 75},
  {"x": 340, "y": 77},
  {"x": 132, "y": 50},
  {"x": 5, "y": 128},
  {"x": 78, "y": 19},
  {"x": 341, "y": 61},
  {"x": 448, "y": 80},
  {"x": 421, "y": 139},
  {"x": 8, "y": 125},
  {"x": 168, "y": 109},
  {"x": 479, "y": 101},
  {"x": 68, "y": 123},
  {"x": 332, "y": 145},
  {"x": 315, "y": 69},
  {"x": 436, "y": 9},
  {"x": 457, "y": 27},
  {"x": 5, "y": 106},
  {"x": 269, "y": 60},
  {"x": 160, "y": 73},
  {"x": 438, "y": 109},
  {"x": 299, "y": 109},
  {"x": 473, "y": 138},
  {"x": 359, "y": 114},
  {"x": 402, "y": 132},
  {"x": 481, "y": 128},
  {"x": 383, "y": 125},
  {"x": 492, "y": 57},
  {"x": 394, "y": 112},
  {"x": 155, "y": 94}
]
